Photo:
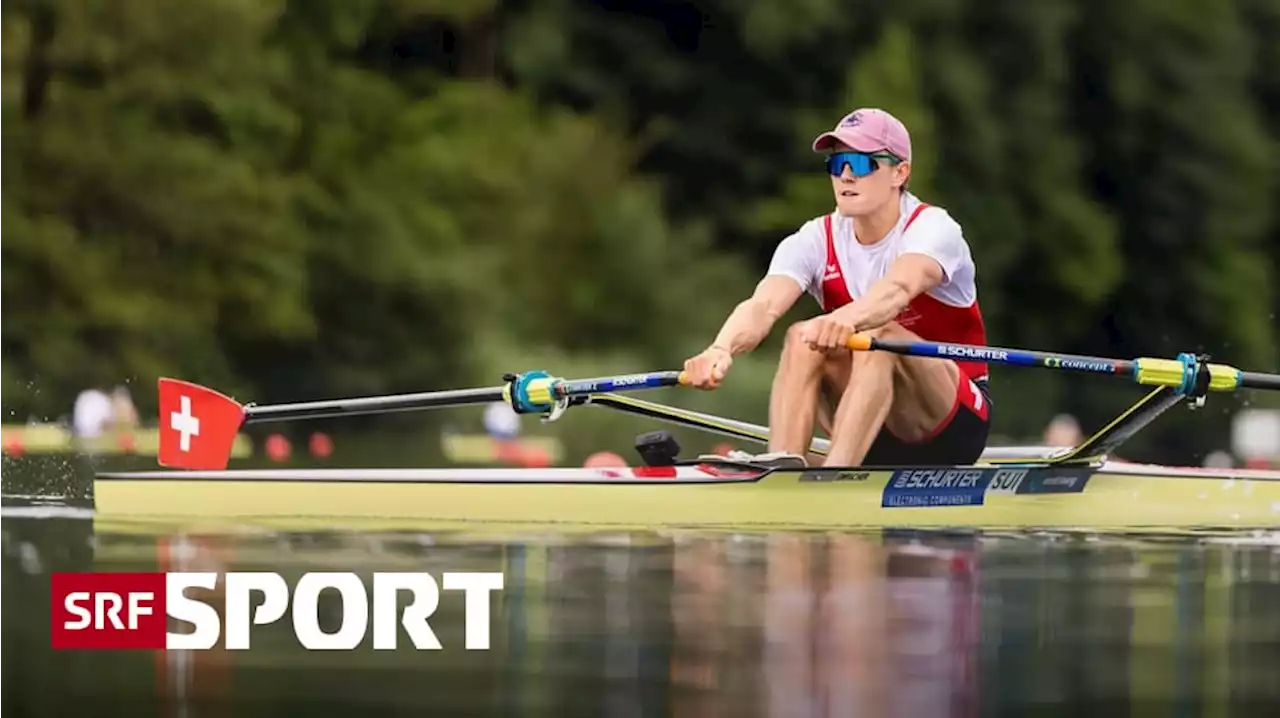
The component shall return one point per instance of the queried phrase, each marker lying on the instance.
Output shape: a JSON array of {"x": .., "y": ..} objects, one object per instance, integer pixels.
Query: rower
[{"x": 884, "y": 264}]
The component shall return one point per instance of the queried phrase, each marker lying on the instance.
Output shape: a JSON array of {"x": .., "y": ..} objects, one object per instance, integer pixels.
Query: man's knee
[
  {"x": 891, "y": 330},
  {"x": 795, "y": 335},
  {"x": 795, "y": 346}
]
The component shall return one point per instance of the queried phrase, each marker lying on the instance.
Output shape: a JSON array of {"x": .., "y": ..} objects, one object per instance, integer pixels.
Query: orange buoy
[
  {"x": 507, "y": 452},
  {"x": 604, "y": 460},
  {"x": 320, "y": 445},
  {"x": 277, "y": 447},
  {"x": 535, "y": 457},
  {"x": 13, "y": 446}
]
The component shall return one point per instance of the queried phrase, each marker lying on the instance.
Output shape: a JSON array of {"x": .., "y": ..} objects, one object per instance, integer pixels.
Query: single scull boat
[{"x": 1079, "y": 487}]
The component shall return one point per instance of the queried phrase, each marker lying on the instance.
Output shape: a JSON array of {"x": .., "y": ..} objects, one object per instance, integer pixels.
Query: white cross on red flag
[{"x": 198, "y": 426}]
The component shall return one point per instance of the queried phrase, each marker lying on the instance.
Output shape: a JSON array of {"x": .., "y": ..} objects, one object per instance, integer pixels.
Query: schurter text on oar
[{"x": 977, "y": 353}]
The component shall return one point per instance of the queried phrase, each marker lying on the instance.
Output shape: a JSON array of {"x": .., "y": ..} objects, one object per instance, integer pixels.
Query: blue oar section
[
  {"x": 627, "y": 382},
  {"x": 537, "y": 392},
  {"x": 1001, "y": 355},
  {"x": 1189, "y": 374}
]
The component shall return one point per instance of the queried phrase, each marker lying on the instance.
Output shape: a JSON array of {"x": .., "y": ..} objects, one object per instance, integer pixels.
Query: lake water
[{"x": 777, "y": 624}]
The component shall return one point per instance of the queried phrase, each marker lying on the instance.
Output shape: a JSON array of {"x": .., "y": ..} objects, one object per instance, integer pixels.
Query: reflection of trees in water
[
  {"x": 37, "y": 679},
  {"x": 608, "y": 629},
  {"x": 1251, "y": 653},
  {"x": 1131, "y": 628},
  {"x": 864, "y": 625},
  {"x": 880, "y": 624}
]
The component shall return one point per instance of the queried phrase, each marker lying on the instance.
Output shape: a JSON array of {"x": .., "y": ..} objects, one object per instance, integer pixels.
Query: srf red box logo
[
  {"x": 108, "y": 610},
  {"x": 133, "y": 610}
]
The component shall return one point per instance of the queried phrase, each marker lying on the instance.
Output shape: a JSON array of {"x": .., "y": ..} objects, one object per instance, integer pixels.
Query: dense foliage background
[{"x": 328, "y": 197}]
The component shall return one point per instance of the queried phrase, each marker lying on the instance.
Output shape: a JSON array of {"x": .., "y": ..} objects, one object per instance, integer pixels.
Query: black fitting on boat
[{"x": 658, "y": 448}]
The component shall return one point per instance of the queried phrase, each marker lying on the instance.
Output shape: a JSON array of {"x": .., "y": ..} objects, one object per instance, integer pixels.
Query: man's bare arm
[
  {"x": 750, "y": 322},
  {"x": 909, "y": 276}
]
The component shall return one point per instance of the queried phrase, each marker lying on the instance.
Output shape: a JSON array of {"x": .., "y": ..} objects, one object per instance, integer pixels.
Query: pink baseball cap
[{"x": 868, "y": 130}]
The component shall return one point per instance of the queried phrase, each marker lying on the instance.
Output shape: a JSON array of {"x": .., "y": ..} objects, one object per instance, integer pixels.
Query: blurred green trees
[{"x": 328, "y": 197}]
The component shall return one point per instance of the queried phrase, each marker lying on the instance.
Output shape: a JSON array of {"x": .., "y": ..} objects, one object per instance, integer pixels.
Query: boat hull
[{"x": 1106, "y": 496}]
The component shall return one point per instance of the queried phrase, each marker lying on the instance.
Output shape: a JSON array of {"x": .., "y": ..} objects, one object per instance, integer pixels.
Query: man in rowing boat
[{"x": 884, "y": 264}]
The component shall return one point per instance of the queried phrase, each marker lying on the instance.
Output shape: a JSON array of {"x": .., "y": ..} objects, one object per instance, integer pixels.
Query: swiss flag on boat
[{"x": 198, "y": 426}]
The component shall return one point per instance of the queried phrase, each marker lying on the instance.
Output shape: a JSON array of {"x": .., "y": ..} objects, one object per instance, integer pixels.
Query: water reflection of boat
[
  {"x": 726, "y": 625},
  {"x": 185, "y": 679},
  {"x": 38, "y": 680},
  {"x": 858, "y": 627}
]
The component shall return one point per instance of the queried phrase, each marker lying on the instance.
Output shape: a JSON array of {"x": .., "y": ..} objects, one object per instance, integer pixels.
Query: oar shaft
[
  {"x": 1260, "y": 380},
  {"x": 533, "y": 392},
  {"x": 373, "y": 404}
]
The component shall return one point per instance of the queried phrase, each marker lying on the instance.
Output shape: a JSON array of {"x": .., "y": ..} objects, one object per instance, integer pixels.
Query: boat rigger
[{"x": 1009, "y": 486}]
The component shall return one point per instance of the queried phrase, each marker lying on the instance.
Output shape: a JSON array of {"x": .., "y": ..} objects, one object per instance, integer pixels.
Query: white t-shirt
[
  {"x": 838, "y": 269},
  {"x": 803, "y": 255}
]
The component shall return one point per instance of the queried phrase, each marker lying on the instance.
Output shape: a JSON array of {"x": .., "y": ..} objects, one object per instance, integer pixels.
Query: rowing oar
[
  {"x": 534, "y": 392},
  {"x": 199, "y": 425},
  {"x": 1189, "y": 374}
]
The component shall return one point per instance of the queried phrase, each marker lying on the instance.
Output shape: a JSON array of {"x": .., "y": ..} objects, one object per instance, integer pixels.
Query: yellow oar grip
[
  {"x": 859, "y": 343},
  {"x": 1160, "y": 372},
  {"x": 1223, "y": 377},
  {"x": 539, "y": 391},
  {"x": 1169, "y": 372}
]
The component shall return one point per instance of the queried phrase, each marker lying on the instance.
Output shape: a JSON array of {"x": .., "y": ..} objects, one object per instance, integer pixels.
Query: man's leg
[
  {"x": 793, "y": 400},
  {"x": 911, "y": 396},
  {"x": 835, "y": 378}
]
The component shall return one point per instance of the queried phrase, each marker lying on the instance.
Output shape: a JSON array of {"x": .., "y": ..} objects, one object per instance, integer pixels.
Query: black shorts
[{"x": 960, "y": 438}]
